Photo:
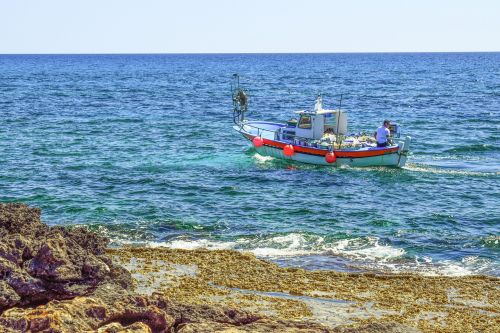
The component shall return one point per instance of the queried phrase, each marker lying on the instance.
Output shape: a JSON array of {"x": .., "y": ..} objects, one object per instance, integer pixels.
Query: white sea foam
[
  {"x": 448, "y": 269},
  {"x": 366, "y": 253},
  {"x": 274, "y": 252},
  {"x": 444, "y": 171},
  {"x": 443, "y": 268},
  {"x": 295, "y": 244},
  {"x": 371, "y": 251},
  {"x": 197, "y": 244},
  {"x": 469, "y": 265},
  {"x": 262, "y": 159}
]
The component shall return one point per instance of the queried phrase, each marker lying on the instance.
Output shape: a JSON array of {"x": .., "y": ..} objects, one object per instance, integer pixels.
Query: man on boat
[{"x": 382, "y": 134}]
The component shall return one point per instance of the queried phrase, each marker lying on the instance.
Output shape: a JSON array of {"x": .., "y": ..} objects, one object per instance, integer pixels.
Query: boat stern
[{"x": 404, "y": 149}]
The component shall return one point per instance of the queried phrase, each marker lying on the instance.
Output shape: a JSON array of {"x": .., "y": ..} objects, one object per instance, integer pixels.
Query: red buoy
[
  {"x": 288, "y": 150},
  {"x": 330, "y": 157},
  {"x": 258, "y": 141}
]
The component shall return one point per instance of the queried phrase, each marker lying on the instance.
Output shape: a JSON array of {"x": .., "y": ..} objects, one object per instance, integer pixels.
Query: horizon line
[{"x": 245, "y": 53}]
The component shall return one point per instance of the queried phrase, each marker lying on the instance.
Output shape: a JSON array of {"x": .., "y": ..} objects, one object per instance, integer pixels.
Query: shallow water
[{"x": 141, "y": 148}]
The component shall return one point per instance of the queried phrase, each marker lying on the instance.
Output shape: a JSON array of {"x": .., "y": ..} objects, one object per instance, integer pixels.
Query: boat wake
[
  {"x": 473, "y": 148},
  {"x": 422, "y": 168},
  {"x": 411, "y": 167},
  {"x": 262, "y": 159}
]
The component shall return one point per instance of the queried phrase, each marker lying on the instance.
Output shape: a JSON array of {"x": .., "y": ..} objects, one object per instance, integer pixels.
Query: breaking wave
[
  {"x": 361, "y": 253},
  {"x": 296, "y": 244}
]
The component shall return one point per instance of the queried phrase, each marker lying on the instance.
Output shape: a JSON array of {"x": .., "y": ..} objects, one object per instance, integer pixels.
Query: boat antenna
[{"x": 338, "y": 121}]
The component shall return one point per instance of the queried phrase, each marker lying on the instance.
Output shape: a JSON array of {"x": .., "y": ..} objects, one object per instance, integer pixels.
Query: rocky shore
[{"x": 55, "y": 279}]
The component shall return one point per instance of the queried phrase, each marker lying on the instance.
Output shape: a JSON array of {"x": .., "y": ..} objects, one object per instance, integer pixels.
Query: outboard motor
[{"x": 395, "y": 130}]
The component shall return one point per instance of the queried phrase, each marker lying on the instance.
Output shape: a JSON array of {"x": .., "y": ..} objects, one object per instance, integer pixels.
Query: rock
[
  {"x": 20, "y": 219},
  {"x": 118, "y": 328},
  {"x": 125, "y": 312},
  {"x": 64, "y": 282},
  {"x": 88, "y": 314},
  {"x": 40, "y": 263},
  {"x": 86, "y": 239},
  {"x": 58, "y": 280},
  {"x": 8, "y": 296},
  {"x": 383, "y": 327},
  {"x": 61, "y": 259},
  {"x": 257, "y": 327}
]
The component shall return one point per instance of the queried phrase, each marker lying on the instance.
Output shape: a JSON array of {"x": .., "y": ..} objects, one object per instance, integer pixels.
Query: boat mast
[
  {"x": 339, "y": 140},
  {"x": 240, "y": 100}
]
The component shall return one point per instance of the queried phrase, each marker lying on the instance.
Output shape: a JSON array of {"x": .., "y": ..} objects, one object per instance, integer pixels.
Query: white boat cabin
[{"x": 314, "y": 124}]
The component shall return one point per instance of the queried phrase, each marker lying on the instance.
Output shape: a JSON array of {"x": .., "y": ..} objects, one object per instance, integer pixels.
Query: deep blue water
[{"x": 141, "y": 147}]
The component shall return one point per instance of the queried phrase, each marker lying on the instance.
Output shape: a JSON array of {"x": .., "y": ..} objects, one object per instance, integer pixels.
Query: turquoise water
[{"x": 140, "y": 147}]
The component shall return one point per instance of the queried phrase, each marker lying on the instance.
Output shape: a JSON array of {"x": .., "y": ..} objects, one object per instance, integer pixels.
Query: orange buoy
[
  {"x": 330, "y": 157},
  {"x": 258, "y": 141},
  {"x": 288, "y": 150}
]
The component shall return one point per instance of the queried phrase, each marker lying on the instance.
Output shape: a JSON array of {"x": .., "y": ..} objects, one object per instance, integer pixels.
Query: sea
[{"x": 141, "y": 149}]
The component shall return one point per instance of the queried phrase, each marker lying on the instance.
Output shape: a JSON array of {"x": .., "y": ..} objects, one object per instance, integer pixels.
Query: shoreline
[
  {"x": 348, "y": 261},
  {"x": 56, "y": 279},
  {"x": 224, "y": 278}
]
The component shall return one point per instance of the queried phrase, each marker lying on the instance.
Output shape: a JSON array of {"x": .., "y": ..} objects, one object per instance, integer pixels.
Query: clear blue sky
[{"x": 196, "y": 26}]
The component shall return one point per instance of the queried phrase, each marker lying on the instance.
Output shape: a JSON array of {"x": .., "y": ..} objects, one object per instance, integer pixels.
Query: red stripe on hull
[{"x": 323, "y": 152}]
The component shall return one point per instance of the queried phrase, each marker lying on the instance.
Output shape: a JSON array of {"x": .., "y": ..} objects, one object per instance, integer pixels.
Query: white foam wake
[
  {"x": 262, "y": 159},
  {"x": 444, "y": 171}
]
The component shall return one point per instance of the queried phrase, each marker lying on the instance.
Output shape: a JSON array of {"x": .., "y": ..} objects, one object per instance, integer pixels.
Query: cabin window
[{"x": 305, "y": 122}]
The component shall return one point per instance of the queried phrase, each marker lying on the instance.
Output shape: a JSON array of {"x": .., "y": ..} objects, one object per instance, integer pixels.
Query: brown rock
[
  {"x": 39, "y": 324},
  {"x": 8, "y": 296},
  {"x": 118, "y": 328},
  {"x": 39, "y": 263},
  {"x": 64, "y": 282},
  {"x": 378, "y": 328},
  {"x": 9, "y": 325},
  {"x": 261, "y": 326}
]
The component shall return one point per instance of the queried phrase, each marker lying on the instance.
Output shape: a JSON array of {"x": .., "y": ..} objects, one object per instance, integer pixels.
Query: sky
[{"x": 252, "y": 26}]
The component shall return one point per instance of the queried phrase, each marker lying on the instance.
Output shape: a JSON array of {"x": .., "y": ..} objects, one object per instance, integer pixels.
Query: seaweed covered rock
[
  {"x": 59, "y": 280},
  {"x": 125, "y": 312},
  {"x": 88, "y": 314},
  {"x": 40, "y": 263}
]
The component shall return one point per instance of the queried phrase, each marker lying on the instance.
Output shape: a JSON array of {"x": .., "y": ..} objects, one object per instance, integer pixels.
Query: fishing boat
[{"x": 317, "y": 136}]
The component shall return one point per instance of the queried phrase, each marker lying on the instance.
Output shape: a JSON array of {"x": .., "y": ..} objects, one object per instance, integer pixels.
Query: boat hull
[
  {"x": 392, "y": 159},
  {"x": 394, "y": 156}
]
